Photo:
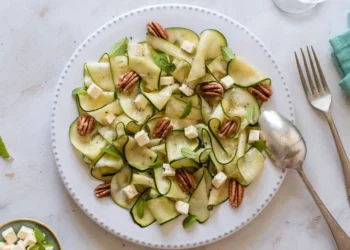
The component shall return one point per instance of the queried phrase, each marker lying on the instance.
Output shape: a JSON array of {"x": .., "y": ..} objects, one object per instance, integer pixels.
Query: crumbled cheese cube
[
  {"x": 168, "y": 170},
  {"x": 94, "y": 91},
  {"x": 135, "y": 49},
  {"x": 9, "y": 235},
  {"x": 253, "y": 136},
  {"x": 10, "y": 247},
  {"x": 49, "y": 248},
  {"x": 191, "y": 132},
  {"x": 21, "y": 244},
  {"x": 227, "y": 82},
  {"x": 24, "y": 231},
  {"x": 186, "y": 90},
  {"x": 141, "y": 138},
  {"x": 187, "y": 46},
  {"x": 30, "y": 240},
  {"x": 130, "y": 191},
  {"x": 122, "y": 61},
  {"x": 108, "y": 119},
  {"x": 167, "y": 80},
  {"x": 2, "y": 245},
  {"x": 182, "y": 207},
  {"x": 18, "y": 247},
  {"x": 141, "y": 101},
  {"x": 219, "y": 179}
]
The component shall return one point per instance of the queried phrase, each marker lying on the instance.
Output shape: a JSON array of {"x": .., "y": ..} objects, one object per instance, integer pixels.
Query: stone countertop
[{"x": 37, "y": 38}]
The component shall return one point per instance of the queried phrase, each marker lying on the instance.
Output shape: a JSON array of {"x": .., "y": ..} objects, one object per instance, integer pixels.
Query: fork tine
[
  {"x": 311, "y": 82},
  {"x": 318, "y": 84},
  {"x": 320, "y": 72},
  {"x": 302, "y": 79}
]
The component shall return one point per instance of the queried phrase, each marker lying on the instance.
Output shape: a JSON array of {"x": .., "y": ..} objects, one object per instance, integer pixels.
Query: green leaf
[
  {"x": 3, "y": 150},
  {"x": 188, "y": 153},
  {"x": 80, "y": 90},
  {"x": 155, "y": 165},
  {"x": 187, "y": 110},
  {"x": 140, "y": 208},
  {"x": 119, "y": 48},
  {"x": 227, "y": 53},
  {"x": 47, "y": 244},
  {"x": 36, "y": 247},
  {"x": 259, "y": 145},
  {"x": 111, "y": 151},
  {"x": 188, "y": 221},
  {"x": 251, "y": 113},
  {"x": 162, "y": 61},
  {"x": 39, "y": 236}
]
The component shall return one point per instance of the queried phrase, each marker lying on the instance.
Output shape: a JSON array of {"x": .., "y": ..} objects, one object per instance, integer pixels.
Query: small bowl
[{"x": 17, "y": 223}]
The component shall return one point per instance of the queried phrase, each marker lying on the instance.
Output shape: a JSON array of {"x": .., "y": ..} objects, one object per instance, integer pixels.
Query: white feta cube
[
  {"x": 135, "y": 49},
  {"x": 186, "y": 90},
  {"x": 142, "y": 138},
  {"x": 94, "y": 91},
  {"x": 188, "y": 46},
  {"x": 49, "y": 248},
  {"x": 219, "y": 179},
  {"x": 10, "y": 247},
  {"x": 227, "y": 82},
  {"x": 130, "y": 191},
  {"x": 182, "y": 207},
  {"x": 108, "y": 119},
  {"x": 167, "y": 80},
  {"x": 21, "y": 244},
  {"x": 29, "y": 241},
  {"x": 18, "y": 247},
  {"x": 168, "y": 170},
  {"x": 253, "y": 136},
  {"x": 191, "y": 132},
  {"x": 141, "y": 101},
  {"x": 121, "y": 61},
  {"x": 9, "y": 235},
  {"x": 24, "y": 231},
  {"x": 2, "y": 245}
]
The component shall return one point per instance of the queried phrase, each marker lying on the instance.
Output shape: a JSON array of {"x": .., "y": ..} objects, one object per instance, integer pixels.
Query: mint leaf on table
[
  {"x": 227, "y": 53},
  {"x": 119, "y": 48},
  {"x": 3, "y": 150},
  {"x": 162, "y": 61},
  {"x": 78, "y": 91},
  {"x": 189, "y": 220},
  {"x": 39, "y": 236}
]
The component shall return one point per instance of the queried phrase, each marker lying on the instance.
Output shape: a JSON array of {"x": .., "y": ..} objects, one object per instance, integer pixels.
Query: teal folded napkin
[{"x": 341, "y": 56}]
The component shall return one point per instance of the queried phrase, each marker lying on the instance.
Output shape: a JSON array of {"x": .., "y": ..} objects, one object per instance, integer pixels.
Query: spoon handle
[{"x": 341, "y": 238}]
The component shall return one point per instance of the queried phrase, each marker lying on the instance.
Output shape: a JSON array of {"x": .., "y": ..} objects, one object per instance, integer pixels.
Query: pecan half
[
  {"x": 127, "y": 81},
  {"x": 185, "y": 180},
  {"x": 85, "y": 125},
  {"x": 262, "y": 92},
  {"x": 163, "y": 128},
  {"x": 211, "y": 90},
  {"x": 103, "y": 190},
  {"x": 236, "y": 193},
  {"x": 155, "y": 29},
  {"x": 227, "y": 129}
]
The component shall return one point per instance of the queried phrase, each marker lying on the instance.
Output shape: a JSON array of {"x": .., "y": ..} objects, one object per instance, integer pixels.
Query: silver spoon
[{"x": 286, "y": 148}]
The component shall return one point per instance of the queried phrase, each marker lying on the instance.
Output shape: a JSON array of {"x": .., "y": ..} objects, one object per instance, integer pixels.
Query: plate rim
[{"x": 71, "y": 60}]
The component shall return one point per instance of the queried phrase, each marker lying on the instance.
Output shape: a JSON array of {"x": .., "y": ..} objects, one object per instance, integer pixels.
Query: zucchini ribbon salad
[{"x": 170, "y": 125}]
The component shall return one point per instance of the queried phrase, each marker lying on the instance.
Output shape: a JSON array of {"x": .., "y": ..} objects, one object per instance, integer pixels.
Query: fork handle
[{"x": 341, "y": 151}]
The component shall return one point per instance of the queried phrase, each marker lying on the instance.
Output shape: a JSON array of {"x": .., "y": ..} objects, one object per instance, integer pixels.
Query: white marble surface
[{"x": 37, "y": 38}]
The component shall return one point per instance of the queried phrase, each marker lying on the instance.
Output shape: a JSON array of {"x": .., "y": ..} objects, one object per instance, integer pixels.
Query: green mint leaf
[
  {"x": 39, "y": 236},
  {"x": 3, "y": 150},
  {"x": 162, "y": 61},
  {"x": 259, "y": 145},
  {"x": 80, "y": 90},
  {"x": 140, "y": 208},
  {"x": 251, "y": 115},
  {"x": 187, "y": 110},
  {"x": 188, "y": 221},
  {"x": 111, "y": 151},
  {"x": 227, "y": 53},
  {"x": 119, "y": 48},
  {"x": 36, "y": 247},
  {"x": 158, "y": 164},
  {"x": 47, "y": 244},
  {"x": 188, "y": 153}
]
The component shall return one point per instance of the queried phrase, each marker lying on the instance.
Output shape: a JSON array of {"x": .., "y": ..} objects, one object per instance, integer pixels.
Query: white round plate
[{"x": 224, "y": 220}]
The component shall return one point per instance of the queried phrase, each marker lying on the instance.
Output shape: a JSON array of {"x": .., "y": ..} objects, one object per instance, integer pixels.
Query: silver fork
[{"x": 319, "y": 96}]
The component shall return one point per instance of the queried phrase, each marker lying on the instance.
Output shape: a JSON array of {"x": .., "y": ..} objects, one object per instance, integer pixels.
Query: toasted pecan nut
[
  {"x": 103, "y": 190},
  {"x": 262, "y": 92},
  {"x": 185, "y": 180},
  {"x": 227, "y": 129},
  {"x": 236, "y": 193},
  {"x": 163, "y": 128},
  {"x": 155, "y": 29},
  {"x": 127, "y": 81},
  {"x": 211, "y": 90},
  {"x": 85, "y": 124}
]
